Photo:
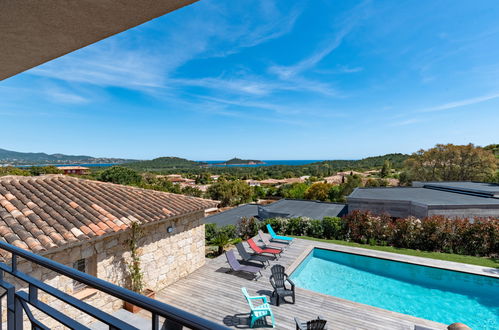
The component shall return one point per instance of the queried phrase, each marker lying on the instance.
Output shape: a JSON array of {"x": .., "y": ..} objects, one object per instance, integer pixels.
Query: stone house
[{"x": 86, "y": 224}]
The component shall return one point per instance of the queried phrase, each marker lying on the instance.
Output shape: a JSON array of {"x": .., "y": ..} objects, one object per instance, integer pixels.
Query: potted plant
[{"x": 135, "y": 274}]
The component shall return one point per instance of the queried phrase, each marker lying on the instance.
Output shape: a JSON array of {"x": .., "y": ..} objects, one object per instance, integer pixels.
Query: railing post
[
  {"x": 155, "y": 321},
  {"x": 171, "y": 325},
  {"x": 33, "y": 293},
  {"x": 14, "y": 262},
  {"x": 18, "y": 311},
  {"x": 11, "y": 311}
]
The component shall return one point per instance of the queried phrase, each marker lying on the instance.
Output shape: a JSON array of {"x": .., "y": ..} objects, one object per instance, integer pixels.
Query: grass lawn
[{"x": 480, "y": 261}]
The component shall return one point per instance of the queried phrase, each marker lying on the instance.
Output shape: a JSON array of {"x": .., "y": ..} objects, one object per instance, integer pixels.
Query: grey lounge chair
[
  {"x": 268, "y": 244},
  {"x": 237, "y": 267},
  {"x": 318, "y": 324},
  {"x": 278, "y": 281},
  {"x": 248, "y": 257}
]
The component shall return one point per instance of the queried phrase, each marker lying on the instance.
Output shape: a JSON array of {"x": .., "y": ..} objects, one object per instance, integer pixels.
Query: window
[{"x": 80, "y": 265}]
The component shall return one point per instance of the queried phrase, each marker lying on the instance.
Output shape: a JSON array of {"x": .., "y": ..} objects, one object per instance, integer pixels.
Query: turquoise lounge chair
[
  {"x": 275, "y": 237},
  {"x": 260, "y": 311}
]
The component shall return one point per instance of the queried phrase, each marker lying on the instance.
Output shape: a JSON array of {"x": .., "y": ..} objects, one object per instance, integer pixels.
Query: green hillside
[
  {"x": 397, "y": 161},
  {"x": 39, "y": 158}
]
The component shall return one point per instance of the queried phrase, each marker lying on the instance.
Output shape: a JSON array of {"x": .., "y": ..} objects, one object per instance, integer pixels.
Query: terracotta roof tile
[{"x": 40, "y": 213}]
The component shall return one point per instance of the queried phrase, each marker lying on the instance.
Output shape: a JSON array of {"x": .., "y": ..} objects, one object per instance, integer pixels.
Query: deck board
[{"x": 212, "y": 293}]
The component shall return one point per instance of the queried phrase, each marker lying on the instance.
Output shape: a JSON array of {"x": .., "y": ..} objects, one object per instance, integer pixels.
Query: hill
[
  {"x": 397, "y": 161},
  {"x": 37, "y": 158},
  {"x": 239, "y": 161},
  {"x": 162, "y": 163}
]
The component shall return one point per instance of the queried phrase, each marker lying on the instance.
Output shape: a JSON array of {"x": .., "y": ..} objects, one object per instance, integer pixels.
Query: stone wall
[{"x": 165, "y": 258}]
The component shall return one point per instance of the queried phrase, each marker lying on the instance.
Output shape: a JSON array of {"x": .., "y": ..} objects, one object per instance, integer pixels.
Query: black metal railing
[{"x": 21, "y": 303}]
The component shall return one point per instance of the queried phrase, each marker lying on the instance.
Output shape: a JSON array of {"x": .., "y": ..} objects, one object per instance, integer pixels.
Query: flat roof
[
  {"x": 233, "y": 216},
  {"x": 422, "y": 195},
  {"x": 485, "y": 188},
  {"x": 290, "y": 208},
  {"x": 306, "y": 208}
]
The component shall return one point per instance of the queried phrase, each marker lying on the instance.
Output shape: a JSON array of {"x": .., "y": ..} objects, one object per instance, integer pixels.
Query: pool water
[{"x": 435, "y": 294}]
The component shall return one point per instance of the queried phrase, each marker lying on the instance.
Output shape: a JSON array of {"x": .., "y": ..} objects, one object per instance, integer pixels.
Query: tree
[
  {"x": 191, "y": 191},
  {"x": 39, "y": 170},
  {"x": 494, "y": 148},
  {"x": 203, "y": 178},
  {"x": 295, "y": 190},
  {"x": 352, "y": 181},
  {"x": 386, "y": 169},
  {"x": 448, "y": 162},
  {"x": 221, "y": 240},
  {"x": 318, "y": 191},
  {"x": 335, "y": 194},
  {"x": 11, "y": 170},
  {"x": 230, "y": 193},
  {"x": 121, "y": 175}
]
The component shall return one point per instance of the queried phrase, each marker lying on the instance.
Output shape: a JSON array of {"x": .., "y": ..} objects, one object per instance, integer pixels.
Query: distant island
[
  {"x": 238, "y": 161},
  {"x": 15, "y": 158},
  {"x": 164, "y": 163}
]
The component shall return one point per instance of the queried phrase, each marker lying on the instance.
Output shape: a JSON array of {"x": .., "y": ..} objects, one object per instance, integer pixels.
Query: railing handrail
[{"x": 156, "y": 307}]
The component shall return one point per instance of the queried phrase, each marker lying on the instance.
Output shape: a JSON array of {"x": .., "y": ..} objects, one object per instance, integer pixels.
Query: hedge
[{"x": 479, "y": 237}]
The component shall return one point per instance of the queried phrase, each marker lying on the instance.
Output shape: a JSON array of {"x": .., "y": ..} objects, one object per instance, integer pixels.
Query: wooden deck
[{"x": 214, "y": 293}]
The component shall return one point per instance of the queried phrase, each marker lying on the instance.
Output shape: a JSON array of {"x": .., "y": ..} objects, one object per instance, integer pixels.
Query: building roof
[
  {"x": 46, "y": 212},
  {"x": 234, "y": 215},
  {"x": 426, "y": 196},
  {"x": 72, "y": 168},
  {"x": 289, "y": 208},
  {"x": 34, "y": 32},
  {"x": 482, "y": 188}
]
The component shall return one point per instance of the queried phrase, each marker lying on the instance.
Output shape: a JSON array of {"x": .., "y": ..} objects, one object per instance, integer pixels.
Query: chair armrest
[
  {"x": 263, "y": 298},
  {"x": 292, "y": 283},
  {"x": 298, "y": 324}
]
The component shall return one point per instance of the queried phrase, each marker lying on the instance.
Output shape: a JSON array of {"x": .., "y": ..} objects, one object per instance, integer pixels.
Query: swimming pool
[{"x": 435, "y": 294}]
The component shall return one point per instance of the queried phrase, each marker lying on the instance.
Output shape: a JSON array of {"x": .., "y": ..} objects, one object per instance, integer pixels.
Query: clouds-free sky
[{"x": 265, "y": 79}]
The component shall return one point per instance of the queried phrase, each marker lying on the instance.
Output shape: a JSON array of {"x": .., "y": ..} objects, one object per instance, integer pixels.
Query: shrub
[
  {"x": 315, "y": 229},
  {"x": 405, "y": 232},
  {"x": 280, "y": 225},
  {"x": 229, "y": 230},
  {"x": 248, "y": 227},
  {"x": 333, "y": 228},
  {"x": 297, "y": 226},
  {"x": 210, "y": 230},
  {"x": 436, "y": 233}
]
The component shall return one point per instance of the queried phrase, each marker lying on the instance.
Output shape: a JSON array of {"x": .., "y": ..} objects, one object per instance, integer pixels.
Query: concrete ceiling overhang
[{"x": 33, "y": 32}]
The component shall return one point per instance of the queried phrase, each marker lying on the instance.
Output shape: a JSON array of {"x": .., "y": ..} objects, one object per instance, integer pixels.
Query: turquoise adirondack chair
[
  {"x": 258, "y": 311},
  {"x": 275, "y": 237}
]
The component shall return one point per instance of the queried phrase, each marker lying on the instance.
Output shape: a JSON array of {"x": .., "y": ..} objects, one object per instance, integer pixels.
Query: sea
[
  {"x": 85, "y": 165},
  {"x": 267, "y": 162},
  {"x": 211, "y": 162}
]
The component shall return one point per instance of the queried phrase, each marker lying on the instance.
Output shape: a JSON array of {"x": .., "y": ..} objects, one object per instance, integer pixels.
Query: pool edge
[
  {"x": 420, "y": 261},
  {"x": 392, "y": 256}
]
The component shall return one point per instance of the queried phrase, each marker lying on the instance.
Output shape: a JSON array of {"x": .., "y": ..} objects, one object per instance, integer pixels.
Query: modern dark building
[
  {"x": 451, "y": 199},
  {"x": 284, "y": 208}
]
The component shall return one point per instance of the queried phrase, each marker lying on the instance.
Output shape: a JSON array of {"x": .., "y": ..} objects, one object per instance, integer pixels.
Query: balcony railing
[{"x": 21, "y": 303}]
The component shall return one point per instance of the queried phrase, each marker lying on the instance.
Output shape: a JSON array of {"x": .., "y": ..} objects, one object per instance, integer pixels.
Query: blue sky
[{"x": 317, "y": 79}]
